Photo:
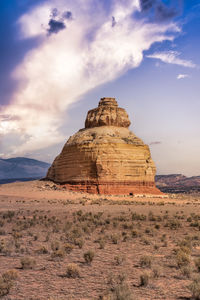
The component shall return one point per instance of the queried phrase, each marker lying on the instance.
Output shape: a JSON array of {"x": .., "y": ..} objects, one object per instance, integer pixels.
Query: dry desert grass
[{"x": 60, "y": 245}]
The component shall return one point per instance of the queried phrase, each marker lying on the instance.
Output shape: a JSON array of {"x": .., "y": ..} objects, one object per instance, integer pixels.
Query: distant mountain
[
  {"x": 178, "y": 183},
  {"x": 22, "y": 168}
]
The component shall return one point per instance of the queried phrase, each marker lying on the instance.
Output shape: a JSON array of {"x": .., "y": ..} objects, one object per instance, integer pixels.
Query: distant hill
[
  {"x": 178, "y": 183},
  {"x": 21, "y": 168}
]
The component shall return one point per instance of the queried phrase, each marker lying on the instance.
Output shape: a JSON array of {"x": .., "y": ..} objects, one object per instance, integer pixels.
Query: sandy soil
[{"x": 128, "y": 236}]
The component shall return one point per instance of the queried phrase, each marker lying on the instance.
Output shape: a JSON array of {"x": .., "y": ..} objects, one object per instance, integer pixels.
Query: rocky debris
[
  {"x": 105, "y": 157},
  {"x": 50, "y": 186}
]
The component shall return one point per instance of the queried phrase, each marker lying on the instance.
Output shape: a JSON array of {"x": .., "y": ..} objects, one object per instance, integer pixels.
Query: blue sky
[{"x": 58, "y": 58}]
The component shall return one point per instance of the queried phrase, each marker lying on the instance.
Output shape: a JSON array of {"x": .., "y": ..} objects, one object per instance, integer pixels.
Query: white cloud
[
  {"x": 88, "y": 53},
  {"x": 182, "y": 76},
  {"x": 172, "y": 57}
]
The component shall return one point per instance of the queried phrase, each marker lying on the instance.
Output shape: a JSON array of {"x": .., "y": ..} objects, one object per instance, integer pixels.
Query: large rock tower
[{"x": 105, "y": 157}]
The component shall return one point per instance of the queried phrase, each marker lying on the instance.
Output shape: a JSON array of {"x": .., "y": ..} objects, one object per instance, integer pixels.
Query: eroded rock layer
[{"x": 105, "y": 157}]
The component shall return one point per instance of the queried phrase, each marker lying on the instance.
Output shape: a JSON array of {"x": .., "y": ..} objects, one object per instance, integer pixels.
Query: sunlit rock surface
[{"x": 105, "y": 157}]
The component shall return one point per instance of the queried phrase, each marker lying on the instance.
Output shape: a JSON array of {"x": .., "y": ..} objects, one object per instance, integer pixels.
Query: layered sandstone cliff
[{"x": 105, "y": 157}]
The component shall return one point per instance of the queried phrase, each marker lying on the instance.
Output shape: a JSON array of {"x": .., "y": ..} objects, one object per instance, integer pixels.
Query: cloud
[
  {"x": 147, "y": 4},
  {"x": 54, "y": 12},
  {"x": 172, "y": 57},
  {"x": 113, "y": 21},
  {"x": 55, "y": 26},
  {"x": 67, "y": 15},
  {"x": 65, "y": 66},
  {"x": 164, "y": 13},
  {"x": 182, "y": 76},
  {"x": 160, "y": 11},
  {"x": 155, "y": 143}
]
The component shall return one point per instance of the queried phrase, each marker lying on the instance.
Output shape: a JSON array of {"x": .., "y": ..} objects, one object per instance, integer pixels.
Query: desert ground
[{"x": 56, "y": 245}]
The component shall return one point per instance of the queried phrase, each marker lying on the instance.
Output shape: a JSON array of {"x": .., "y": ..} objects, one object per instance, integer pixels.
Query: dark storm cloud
[
  {"x": 55, "y": 26},
  {"x": 147, "y": 4},
  {"x": 159, "y": 11},
  {"x": 54, "y": 13},
  {"x": 57, "y": 20},
  {"x": 164, "y": 13},
  {"x": 113, "y": 22},
  {"x": 67, "y": 15}
]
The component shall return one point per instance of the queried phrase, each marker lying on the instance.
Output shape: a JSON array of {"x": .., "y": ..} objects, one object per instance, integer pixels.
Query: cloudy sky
[{"x": 59, "y": 57}]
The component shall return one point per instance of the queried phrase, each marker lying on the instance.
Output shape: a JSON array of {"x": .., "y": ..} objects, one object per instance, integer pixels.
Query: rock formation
[{"x": 105, "y": 157}]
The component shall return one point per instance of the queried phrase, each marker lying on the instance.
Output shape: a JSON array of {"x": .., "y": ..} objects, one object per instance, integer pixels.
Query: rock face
[{"x": 105, "y": 157}]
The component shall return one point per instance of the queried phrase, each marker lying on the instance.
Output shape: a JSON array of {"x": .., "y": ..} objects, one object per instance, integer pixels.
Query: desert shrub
[
  {"x": 60, "y": 253},
  {"x": 10, "y": 275},
  {"x": 151, "y": 216},
  {"x": 138, "y": 217},
  {"x": 9, "y": 214},
  {"x": 186, "y": 245},
  {"x": 16, "y": 234},
  {"x": 186, "y": 271},
  {"x": 42, "y": 250},
  {"x": 115, "y": 238},
  {"x": 156, "y": 272},
  {"x": 134, "y": 233},
  {"x": 195, "y": 224},
  {"x": 55, "y": 245},
  {"x": 156, "y": 246},
  {"x": 163, "y": 237},
  {"x": 173, "y": 224},
  {"x": 72, "y": 271},
  {"x": 185, "y": 249},
  {"x": 76, "y": 233},
  {"x": 144, "y": 279},
  {"x": 6, "y": 282},
  {"x": 197, "y": 264},
  {"x": 182, "y": 258},
  {"x": 102, "y": 243},
  {"x": 89, "y": 256},
  {"x": 121, "y": 292},
  {"x": 68, "y": 247},
  {"x": 145, "y": 241},
  {"x": 194, "y": 287},
  {"x": 145, "y": 261},
  {"x": 47, "y": 237},
  {"x": 118, "y": 260},
  {"x": 6, "y": 247},
  {"x": 27, "y": 263},
  {"x": 5, "y": 287},
  {"x": 79, "y": 242}
]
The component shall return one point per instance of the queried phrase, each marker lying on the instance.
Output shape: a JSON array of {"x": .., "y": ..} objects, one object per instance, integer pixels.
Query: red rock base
[{"x": 115, "y": 188}]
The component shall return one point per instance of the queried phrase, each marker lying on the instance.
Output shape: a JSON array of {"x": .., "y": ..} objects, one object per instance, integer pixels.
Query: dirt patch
[{"x": 66, "y": 245}]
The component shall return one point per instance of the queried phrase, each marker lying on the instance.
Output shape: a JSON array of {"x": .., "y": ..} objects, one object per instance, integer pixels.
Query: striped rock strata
[{"x": 105, "y": 157}]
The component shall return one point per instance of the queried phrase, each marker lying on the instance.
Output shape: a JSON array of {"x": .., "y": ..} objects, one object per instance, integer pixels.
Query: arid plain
[{"x": 56, "y": 244}]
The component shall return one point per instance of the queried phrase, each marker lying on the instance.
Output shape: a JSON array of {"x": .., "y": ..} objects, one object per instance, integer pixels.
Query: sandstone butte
[{"x": 105, "y": 157}]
